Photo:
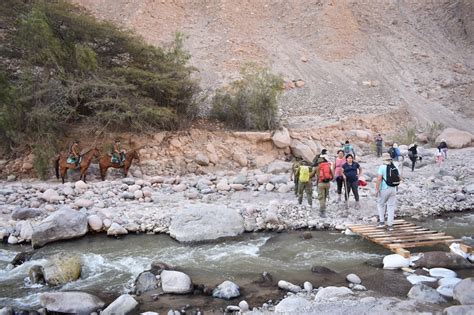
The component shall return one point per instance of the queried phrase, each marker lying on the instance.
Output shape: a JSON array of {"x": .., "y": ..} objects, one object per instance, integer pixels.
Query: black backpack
[
  {"x": 392, "y": 177},
  {"x": 392, "y": 153}
]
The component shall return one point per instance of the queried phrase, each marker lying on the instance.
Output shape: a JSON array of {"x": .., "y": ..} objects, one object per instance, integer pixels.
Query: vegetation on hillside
[
  {"x": 64, "y": 68},
  {"x": 251, "y": 102}
]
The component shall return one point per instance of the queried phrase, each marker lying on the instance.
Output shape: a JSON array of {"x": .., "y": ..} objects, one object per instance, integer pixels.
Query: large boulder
[
  {"x": 146, "y": 281},
  {"x": 455, "y": 138},
  {"x": 116, "y": 229},
  {"x": 202, "y": 159},
  {"x": 300, "y": 149},
  {"x": 464, "y": 292},
  {"x": 124, "y": 304},
  {"x": 459, "y": 310},
  {"x": 26, "y": 213},
  {"x": 62, "y": 269},
  {"x": 281, "y": 138},
  {"x": 395, "y": 261},
  {"x": 425, "y": 293},
  {"x": 201, "y": 222},
  {"x": 51, "y": 195},
  {"x": 331, "y": 292},
  {"x": 175, "y": 282},
  {"x": 226, "y": 290},
  {"x": 95, "y": 222},
  {"x": 293, "y": 305},
  {"x": 26, "y": 230},
  {"x": 61, "y": 225},
  {"x": 278, "y": 166},
  {"x": 71, "y": 302},
  {"x": 442, "y": 259}
]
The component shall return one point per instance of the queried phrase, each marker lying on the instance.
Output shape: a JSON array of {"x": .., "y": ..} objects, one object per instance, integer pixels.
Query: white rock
[
  {"x": 283, "y": 189},
  {"x": 71, "y": 302},
  {"x": 425, "y": 293},
  {"x": 269, "y": 187},
  {"x": 124, "y": 304},
  {"x": 359, "y": 287},
  {"x": 464, "y": 291},
  {"x": 293, "y": 305},
  {"x": 415, "y": 279},
  {"x": 226, "y": 290},
  {"x": 80, "y": 186},
  {"x": 279, "y": 167},
  {"x": 116, "y": 229},
  {"x": 26, "y": 230},
  {"x": 244, "y": 306},
  {"x": 202, "y": 159},
  {"x": 442, "y": 273},
  {"x": 180, "y": 187},
  {"x": 83, "y": 203},
  {"x": 51, "y": 195},
  {"x": 107, "y": 223},
  {"x": 95, "y": 222},
  {"x": 281, "y": 138},
  {"x": 134, "y": 188},
  {"x": 395, "y": 261},
  {"x": 147, "y": 192},
  {"x": 308, "y": 286},
  {"x": 175, "y": 282},
  {"x": 12, "y": 240},
  {"x": 449, "y": 282},
  {"x": 285, "y": 285},
  {"x": 455, "y": 138},
  {"x": 353, "y": 278},
  {"x": 331, "y": 292},
  {"x": 138, "y": 194}
]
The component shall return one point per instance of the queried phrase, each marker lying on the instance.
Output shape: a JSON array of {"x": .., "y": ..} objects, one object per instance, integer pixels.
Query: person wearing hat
[
  {"x": 118, "y": 153},
  {"x": 443, "y": 148},
  {"x": 75, "y": 152},
  {"x": 317, "y": 159},
  {"x": 386, "y": 193},
  {"x": 324, "y": 176}
]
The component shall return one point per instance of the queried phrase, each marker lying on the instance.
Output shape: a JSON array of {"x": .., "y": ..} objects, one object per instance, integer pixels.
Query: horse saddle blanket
[
  {"x": 71, "y": 160},
  {"x": 116, "y": 159}
]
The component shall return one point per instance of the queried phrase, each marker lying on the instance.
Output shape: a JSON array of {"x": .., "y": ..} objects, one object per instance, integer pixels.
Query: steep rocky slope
[{"x": 355, "y": 57}]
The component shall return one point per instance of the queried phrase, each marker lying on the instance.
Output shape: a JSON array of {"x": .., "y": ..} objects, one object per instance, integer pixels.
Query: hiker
[
  {"x": 413, "y": 155},
  {"x": 294, "y": 170},
  {"x": 379, "y": 144},
  {"x": 388, "y": 178},
  {"x": 316, "y": 159},
  {"x": 337, "y": 171},
  {"x": 439, "y": 158},
  {"x": 348, "y": 149},
  {"x": 304, "y": 173},
  {"x": 118, "y": 154},
  {"x": 395, "y": 154},
  {"x": 325, "y": 176},
  {"x": 351, "y": 171},
  {"x": 74, "y": 152},
  {"x": 443, "y": 149}
]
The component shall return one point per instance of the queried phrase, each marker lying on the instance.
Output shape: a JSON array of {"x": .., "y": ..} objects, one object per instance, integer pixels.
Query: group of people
[
  {"x": 346, "y": 172},
  {"x": 117, "y": 153}
]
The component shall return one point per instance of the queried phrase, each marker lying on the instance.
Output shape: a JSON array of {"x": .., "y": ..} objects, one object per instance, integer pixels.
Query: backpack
[
  {"x": 392, "y": 152},
  {"x": 325, "y": 175},
  {"x": 392, "y": 177},
  {"x": 347, "y": 148},
  {"x": 304, "y": 174}
]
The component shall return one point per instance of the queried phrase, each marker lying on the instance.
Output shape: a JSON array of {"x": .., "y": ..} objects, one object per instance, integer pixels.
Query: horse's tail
[{"x": 56, "y": 166}]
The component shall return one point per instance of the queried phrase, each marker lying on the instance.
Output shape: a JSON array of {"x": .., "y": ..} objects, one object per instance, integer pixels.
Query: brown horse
[
  {"x": 61, "y": 164},
  {"x": 105, "y": 162}
]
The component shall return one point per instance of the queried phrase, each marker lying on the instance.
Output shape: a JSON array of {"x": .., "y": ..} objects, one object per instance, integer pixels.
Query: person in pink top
[{"x": 340, "y": 160}]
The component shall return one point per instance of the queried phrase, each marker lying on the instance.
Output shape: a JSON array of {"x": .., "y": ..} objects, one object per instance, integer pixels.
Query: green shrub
[
  {"x": 406, "y": 136},
  {"x": 433, "y": 130},
  {"x": 250, "y": 103}
]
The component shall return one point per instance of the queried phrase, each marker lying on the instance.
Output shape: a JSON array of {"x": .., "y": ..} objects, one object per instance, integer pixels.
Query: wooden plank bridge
[{"x": 405, "y": 235}]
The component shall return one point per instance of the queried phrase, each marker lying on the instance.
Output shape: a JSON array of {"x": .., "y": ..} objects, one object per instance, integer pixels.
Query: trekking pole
[{"x": 346, "y": 193}]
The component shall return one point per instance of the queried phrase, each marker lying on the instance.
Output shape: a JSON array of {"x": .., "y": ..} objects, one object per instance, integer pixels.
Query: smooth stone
[
  {"x": 124, "y": 304},
  {"x": 442, "y": 273},
  {"x": 226, "y": 290},
  {"x": 116, "y": 229},
  {"x": 95, "y": 222},
  {"x": 293, "y": 305},
  {"x": 71, "y": 302},
  {"x": 146, "y": 281},
  {"x": 26, "y": 213},
  {"x": 415, "y": 279},
  {"x": 464, "y": 291},
  {"x": 425, "y": 293},
  {"x": 459, "y": 310},
  {"x": 395, "y": 261},
  {"x": 353, "y": 278},
  {"x": 308, "y": 286},
  {"x": 285, "y": 285},
  {"x": 244, "y": 306},
  {"x": 175, "y": 282},
  {"x": 331, "y": 292}
]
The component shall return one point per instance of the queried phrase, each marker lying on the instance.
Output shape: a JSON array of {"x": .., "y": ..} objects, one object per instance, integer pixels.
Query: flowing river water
[{"x": 112, "y": 264}]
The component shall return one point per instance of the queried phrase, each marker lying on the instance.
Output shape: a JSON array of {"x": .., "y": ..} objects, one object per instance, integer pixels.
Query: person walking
[
  {"x": 317, "y": 159},
  {"x": 395, "y": 154},
  {"x": 337, "y": 171},
  {"x": 349, "y": 149},
  {"x": 294, "y": 170},
  {"x": 351, "y": 171},
  {"x": 388, "y": 178},
  {"x": 379, "y": 145},
  {"x": 413, "y": 155},
  {"x": 305, "y": 173},
  {"x": 324, "y": 176},
  {"x": 443, "y": 148}
]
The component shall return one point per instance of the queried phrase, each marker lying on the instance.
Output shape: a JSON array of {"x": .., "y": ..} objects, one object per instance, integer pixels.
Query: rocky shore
[{"x": 200, "y": 208}]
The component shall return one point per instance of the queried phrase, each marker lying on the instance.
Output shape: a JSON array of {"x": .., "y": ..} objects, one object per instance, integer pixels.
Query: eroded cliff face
[{"x": 354, "y": 57}]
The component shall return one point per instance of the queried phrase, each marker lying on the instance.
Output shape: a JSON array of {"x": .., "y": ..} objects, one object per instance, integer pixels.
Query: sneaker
[
  {"x": 380, "y": 225},
  {"x": 390, "y": 228}
]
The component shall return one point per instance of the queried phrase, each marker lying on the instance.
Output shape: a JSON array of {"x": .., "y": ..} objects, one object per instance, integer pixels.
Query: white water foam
[{"x": 20, "y": 271}]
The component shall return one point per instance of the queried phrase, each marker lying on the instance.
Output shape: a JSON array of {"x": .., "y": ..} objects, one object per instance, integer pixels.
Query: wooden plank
[
  {"x": 465, "y": 248},
  {"x": 408, "y": 236},
  {"x": 373, "y": 230},
  {"x": 403, "y": 252},
  {"x": 416, "y": 239},
  {"x": 395, "y": 232},
  {"x": 368, "y": 226},
  {"x": 420, "y": 244},
  {"x": 394, "y": 222}
]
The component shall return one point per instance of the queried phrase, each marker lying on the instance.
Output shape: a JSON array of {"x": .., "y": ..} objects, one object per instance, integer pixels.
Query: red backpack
[{"x": 325, "y": 175}]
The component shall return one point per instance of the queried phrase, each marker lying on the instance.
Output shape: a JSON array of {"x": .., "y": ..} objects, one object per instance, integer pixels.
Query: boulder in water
[
  {"x": 61, "y": 225},
  {"x": 175, "y": 282},
  {"x": 438, "y": 259},
  {"x": 322, "y": 270},
  {"x": 124, "y": 304},
  {"x": 226, "y": 290},
  {"x": 22, "y": 257},
  {"x": 62, "y": 269},
  {"x": 353, "y": 278},
  {"x": 71, "y": 302},
  {"x": 146, "y": 281},
  {"x": 36, "y": 274},
  {"x": 157, "y": 267}
]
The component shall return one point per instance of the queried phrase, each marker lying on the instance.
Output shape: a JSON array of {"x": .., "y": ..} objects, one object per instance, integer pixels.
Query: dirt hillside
[{"x": 355, "y": 57}]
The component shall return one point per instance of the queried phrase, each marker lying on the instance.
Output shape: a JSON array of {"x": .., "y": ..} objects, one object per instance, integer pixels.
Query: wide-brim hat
[{"x": 386, "y": 157}]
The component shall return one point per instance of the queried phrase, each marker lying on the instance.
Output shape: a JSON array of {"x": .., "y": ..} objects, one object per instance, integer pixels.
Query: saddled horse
[
  {"x": 105, "y": 162},
  {"x": 61, "y": 164}
]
